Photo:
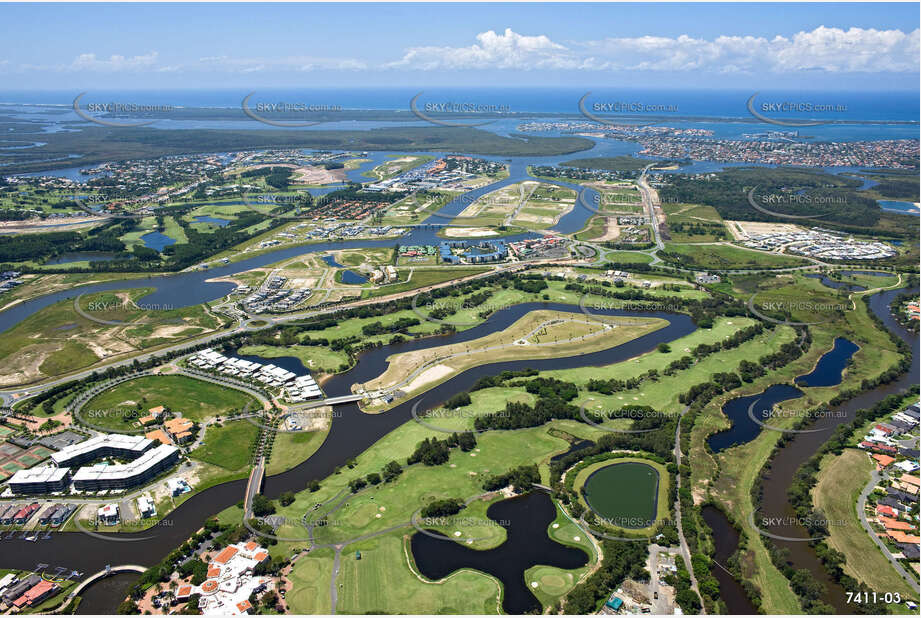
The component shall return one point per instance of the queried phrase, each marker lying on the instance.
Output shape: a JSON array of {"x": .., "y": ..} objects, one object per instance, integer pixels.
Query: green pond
[{"x": 623, "y": 494}]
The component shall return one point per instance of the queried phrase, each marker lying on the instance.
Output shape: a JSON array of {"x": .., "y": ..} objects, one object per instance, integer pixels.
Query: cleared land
[
  {"x": 539, "y": 334},
  {"x": 528, "y": 204},
  {"x": 728, "y": 257},
  {"x": 58, "y": 339}
]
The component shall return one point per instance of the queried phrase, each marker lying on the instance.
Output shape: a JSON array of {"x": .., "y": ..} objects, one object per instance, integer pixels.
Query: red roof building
[
  {"x": 226, "y": 555},
  {"x": 882, "y": 509},
  {"x": 36, "y": 593}
]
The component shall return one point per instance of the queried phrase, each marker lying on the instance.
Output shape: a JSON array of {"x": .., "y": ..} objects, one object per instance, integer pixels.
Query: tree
[
  {"x": 286, "y": 498},
  {"x": 262, "y": 506},
  {"x": 392, "y": 470}
]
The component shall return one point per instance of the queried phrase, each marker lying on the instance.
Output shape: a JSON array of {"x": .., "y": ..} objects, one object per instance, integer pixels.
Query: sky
[{"x": 188, "y": 46}]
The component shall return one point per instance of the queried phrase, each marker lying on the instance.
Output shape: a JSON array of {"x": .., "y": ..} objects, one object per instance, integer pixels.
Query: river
[
  {"x": 350, "y": 434},
  {"x": 802, "y": 446}
]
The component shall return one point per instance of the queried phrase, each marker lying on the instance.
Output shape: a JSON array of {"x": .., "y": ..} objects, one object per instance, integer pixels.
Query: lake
[
  {"x": 157, "y": 240},
  {"x": 624, "y": 494}
]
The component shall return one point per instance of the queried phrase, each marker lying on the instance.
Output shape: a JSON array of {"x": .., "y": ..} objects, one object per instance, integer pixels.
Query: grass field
[
  {"x": 310, "y": 577},
  {"x": 316, "y": 358},
  {"x": 381, "y": 582},
  {"x": 729, "y": 257},
  {"x": 840, "y": 481},
  {"x": 293, "y": 448},
  {"x": 694, "y": 223},
  {"x": 416, "y": 207},
  {"x": 396, "y": 166},
  {"x": 196, "y": 399},
  {"x": 227, "y": 446},
  {"x": 628, "y": 257}
]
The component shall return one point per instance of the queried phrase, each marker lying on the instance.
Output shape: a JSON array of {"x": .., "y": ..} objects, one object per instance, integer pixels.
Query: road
[
  {"x": 21, "y": 392},
  {"x": 875, "y": 478},
  {"x": 651, "y": 201},
  {"x": 685, "y": 550}
]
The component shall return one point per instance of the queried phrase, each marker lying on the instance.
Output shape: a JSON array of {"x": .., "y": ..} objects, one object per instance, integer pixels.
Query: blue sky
[{"x": 135, "y": 46}]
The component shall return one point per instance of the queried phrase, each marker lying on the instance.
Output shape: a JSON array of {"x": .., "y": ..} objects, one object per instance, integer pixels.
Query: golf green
[{"x": 623, "y": 494}]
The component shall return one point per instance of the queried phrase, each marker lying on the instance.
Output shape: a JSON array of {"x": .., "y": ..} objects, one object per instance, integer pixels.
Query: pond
[
  {"x": 352, "y": 278},
  {"x": 85, "y": 256},
  {"x": 157, "y": 240},
  {"x": 828, "y": 370},
  {"x": 624, "y": 494},
  {"x": 527, "y": 544},
  {"x": 743, "y": 428},
  {"x": 213, "y": 220}
]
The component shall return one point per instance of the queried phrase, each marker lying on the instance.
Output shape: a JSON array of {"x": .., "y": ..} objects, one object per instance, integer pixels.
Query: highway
[{"x": 651, "y": 202}]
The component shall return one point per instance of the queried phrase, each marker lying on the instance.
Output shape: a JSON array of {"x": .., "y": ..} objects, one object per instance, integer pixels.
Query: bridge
[
  {"x": 253, "y": 485},
  {"x": 331, "y": 401}
]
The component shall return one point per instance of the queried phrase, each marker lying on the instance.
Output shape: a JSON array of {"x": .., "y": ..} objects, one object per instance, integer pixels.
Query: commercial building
[
  {"x": 231, "y": 580},
  {"x": 121, "y": 476},
  {"x": 106, "y": 445},
  {"x": 179, "y": 429},
  {"x": 40, "y": 480}
]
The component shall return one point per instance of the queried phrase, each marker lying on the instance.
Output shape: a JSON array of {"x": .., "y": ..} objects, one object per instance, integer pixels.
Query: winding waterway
[
  {"x": 777, "y": 516},
  {"x": 350, "y": 434},
  {"x": 353, "y": 432}
]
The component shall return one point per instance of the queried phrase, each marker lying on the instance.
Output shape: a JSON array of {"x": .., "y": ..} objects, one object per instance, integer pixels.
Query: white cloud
[
  {"x": 825, "y": 50},
  {"x": 89, "y": 62},
  {"x": 509, "y": 50},
  {"x": 830, "y": 50}
]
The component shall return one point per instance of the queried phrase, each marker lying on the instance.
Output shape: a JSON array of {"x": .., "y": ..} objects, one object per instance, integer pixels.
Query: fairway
[
  {"x": 195, "y": 399},
  {"x": 381, "y": 582},
  {"x": 624, "y": 494}
]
